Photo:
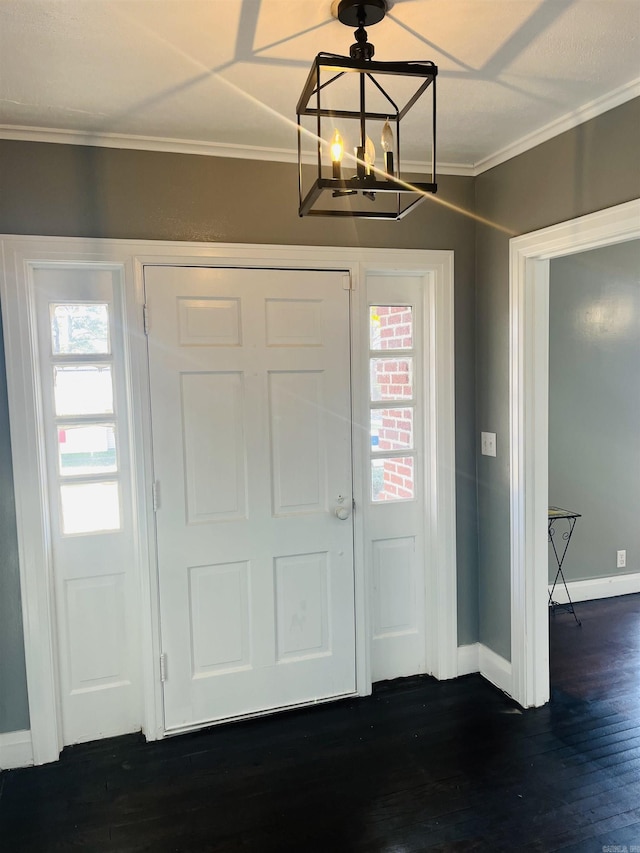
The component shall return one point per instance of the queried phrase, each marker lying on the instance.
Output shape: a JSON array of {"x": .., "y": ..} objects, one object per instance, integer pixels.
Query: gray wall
[
  {"x": 594, "y": 406},
  {"x": 97, "y": 192},
  {"x": 591, "y": 167},
  {"x": 14, "y": 712}
]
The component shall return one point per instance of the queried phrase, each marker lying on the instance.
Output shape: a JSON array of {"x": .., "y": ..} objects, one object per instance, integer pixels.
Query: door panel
[
  {"x": 219, "y": 617},
  {"x": 302, "y": 607},
  {"x": 394, "y": 582},
  {"x": 212, "y": 406},
  {"x": 250, "y": 398},
  {"x": 298, "y": 452}
]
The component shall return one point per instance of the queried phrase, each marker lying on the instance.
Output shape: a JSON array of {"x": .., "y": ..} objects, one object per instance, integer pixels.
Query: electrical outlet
[
  {"x": 622, "y": 560},
  {"x": 488, "y": 443}
]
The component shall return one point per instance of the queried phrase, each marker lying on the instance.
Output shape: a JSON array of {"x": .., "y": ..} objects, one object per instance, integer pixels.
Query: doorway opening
[{"x": 529, "y": 407}]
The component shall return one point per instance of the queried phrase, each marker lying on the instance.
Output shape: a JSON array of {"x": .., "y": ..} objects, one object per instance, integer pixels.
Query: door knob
[{"x": 343, "y": 509}]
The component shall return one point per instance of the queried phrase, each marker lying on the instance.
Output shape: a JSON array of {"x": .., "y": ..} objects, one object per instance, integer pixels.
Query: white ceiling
[{"x": 224, "y": 76}]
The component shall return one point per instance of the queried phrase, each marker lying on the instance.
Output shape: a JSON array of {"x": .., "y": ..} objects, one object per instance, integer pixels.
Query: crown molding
[
  {"x": 145, "y": 143},
  {"x": 284, "y": 155},
  {"x": 59, "y": 136},
  {"x": 560, "y": 125}
]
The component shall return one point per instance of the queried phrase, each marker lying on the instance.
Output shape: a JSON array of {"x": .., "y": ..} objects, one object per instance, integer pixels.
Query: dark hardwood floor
[{"x": 420, "y": 765}]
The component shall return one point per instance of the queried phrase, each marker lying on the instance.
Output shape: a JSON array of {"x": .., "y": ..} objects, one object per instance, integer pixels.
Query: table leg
[{"x": 560, "y": 560}]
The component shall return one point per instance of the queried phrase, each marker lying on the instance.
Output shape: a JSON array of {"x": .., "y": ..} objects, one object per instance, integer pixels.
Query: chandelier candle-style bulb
[
  {"x": 387, "y": 146},
  {"x": 369, "y": 155},
  {"x": 337, "y": 153}
]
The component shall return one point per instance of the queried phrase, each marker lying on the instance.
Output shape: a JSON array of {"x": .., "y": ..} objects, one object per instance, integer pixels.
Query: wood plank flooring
[{"x": 418, "y": 766}]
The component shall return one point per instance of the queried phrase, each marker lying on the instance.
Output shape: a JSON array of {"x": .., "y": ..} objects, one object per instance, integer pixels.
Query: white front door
[{"x": 250, "y": 400}]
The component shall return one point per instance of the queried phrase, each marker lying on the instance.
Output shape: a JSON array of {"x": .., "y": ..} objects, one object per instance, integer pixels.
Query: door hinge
[
  {"x": 163, "y": 667},
  {"x": 347, "y": 282},
  {"x": 145, "y": 317},
  {"x": 155, "y": 495}
]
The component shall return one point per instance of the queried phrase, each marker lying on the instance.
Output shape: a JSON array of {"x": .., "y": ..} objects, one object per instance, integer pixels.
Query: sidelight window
[
  {"x": 84, "y": 420},
  {"x": 391, "y": 329}
]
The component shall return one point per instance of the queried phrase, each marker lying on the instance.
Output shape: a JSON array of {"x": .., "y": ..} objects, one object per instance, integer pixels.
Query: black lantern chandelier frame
[{"x": 368, "y": 180}]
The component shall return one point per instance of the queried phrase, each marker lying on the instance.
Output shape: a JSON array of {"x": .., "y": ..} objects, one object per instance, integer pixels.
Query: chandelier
[{"x": 346, "y": 104}]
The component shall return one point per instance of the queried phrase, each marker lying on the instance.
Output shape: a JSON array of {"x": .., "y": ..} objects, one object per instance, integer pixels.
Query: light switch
[{"x": 488, "y": 443}]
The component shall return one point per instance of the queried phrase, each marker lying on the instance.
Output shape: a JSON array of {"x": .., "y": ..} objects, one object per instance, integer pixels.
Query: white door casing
[
  {"x": 21, "y": 255},
  {"x": 251, "y": 421},
  {"x": 529, "y": 405}
]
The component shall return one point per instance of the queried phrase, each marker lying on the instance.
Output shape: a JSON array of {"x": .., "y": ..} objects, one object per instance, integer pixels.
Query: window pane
[
  {"x": 87, "y": 449},
  {"x": 90, "y": 507},
  {"x": 391, "y": 378},
  {"x": 80, "y": 328},
  {"x": 390, "y": 327},
  {"x": 392, "y": 479},
  {"x": 391, "y": 429},
  {"x": 83, "y": 389}
]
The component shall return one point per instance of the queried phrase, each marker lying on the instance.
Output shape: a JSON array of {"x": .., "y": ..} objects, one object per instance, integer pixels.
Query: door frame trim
[
  {"x": 528, "y": 426},
  {"x": 18, "y": 253}
]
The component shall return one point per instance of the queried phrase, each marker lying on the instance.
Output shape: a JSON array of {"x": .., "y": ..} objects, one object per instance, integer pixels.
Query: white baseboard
[
  {"x": 597, "y": 588},
  {"x": 15, "y": 750},
  {"x": 479, "y": 658},
  {"x": 469, "y": 659},
  {"x": 495, "y": 669}
]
